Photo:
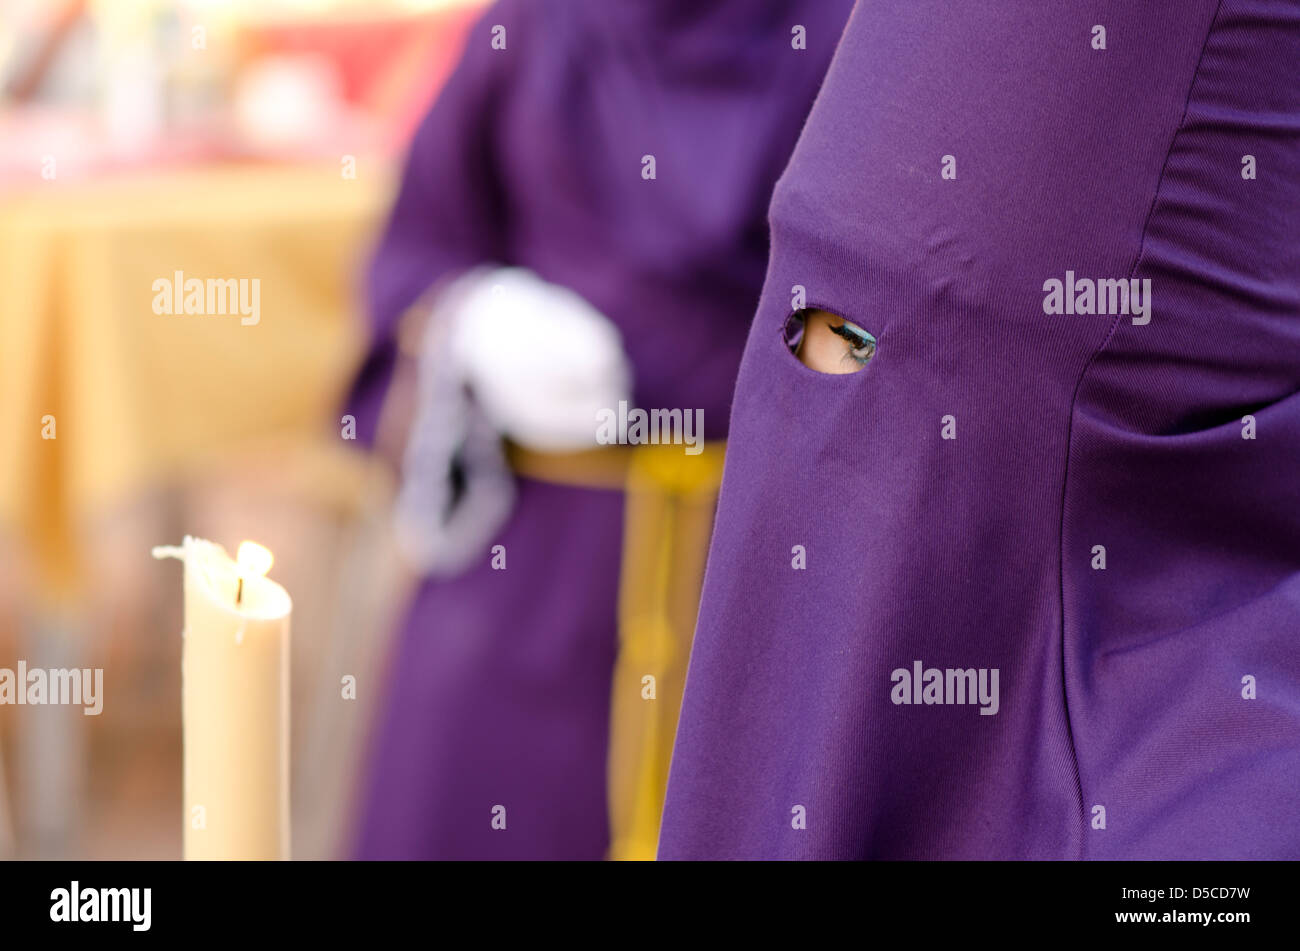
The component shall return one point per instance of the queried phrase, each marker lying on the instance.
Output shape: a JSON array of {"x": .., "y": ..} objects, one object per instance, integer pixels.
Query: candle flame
[{"x": 254, "y": 559}]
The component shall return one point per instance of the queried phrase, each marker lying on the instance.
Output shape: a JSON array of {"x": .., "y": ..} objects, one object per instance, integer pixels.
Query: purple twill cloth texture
[
  {"x": 499, "y": 687},
  {"x": 1122, "y": 687}
]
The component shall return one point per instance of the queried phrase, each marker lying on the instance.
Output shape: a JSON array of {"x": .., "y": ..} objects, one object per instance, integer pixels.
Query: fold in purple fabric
[
  {"x": 498, "y": 692},
  {"x": 1103, "y": 510}
]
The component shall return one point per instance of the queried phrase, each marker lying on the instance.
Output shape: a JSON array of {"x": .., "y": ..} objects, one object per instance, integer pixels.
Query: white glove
[
  {"x": 504, "y": 353},
  {"x": 539, "y": 359}
]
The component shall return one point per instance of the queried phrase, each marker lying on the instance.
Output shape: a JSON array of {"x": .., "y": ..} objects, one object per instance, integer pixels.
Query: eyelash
[{"x": 866, "y": 343}]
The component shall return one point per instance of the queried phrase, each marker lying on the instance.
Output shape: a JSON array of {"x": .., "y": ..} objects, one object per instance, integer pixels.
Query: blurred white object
[
  {"x": 288, "y": 101},
  {"x": 504, "y": 354},
  {"x": 133, "y": 103},
  {"x": 541, "y": 361}
]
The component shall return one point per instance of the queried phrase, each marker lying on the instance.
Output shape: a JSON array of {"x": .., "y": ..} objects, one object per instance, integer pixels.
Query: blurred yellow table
[{"x": 140, "y": 398}]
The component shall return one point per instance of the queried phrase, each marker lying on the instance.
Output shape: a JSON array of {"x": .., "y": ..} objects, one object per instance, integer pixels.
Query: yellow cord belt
[{"x": 668, "y": 515}]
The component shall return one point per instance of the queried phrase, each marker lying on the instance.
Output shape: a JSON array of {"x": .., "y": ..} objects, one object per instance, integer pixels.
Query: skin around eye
[{"x": 832, "y": 345}]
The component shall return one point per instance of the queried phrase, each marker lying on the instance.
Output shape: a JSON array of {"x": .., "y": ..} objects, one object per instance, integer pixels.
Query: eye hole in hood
[{"x": 828, "y": 343}]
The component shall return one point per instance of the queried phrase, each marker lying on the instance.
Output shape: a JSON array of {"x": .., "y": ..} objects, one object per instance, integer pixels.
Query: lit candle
[{"x": 234, "y": 703}]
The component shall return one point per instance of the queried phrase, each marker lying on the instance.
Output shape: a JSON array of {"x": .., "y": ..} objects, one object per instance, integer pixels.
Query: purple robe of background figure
[
  {"x": 533, "y": 156},
  {"x": 1103, "y": 507}
]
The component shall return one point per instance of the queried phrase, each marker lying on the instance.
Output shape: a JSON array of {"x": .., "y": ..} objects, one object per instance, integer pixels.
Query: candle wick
[{"x": 239, "y": 592}]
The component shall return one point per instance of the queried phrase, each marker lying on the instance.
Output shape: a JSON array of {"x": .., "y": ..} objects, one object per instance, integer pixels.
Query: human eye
[
  {"x": 828, "y": 343},
  {"x": 861, "y": 345}
]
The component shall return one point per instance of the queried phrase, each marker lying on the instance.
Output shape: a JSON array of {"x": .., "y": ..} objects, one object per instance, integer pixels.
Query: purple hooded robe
[
  {"x": 1102, "y": 507},
  {"x": 499, "y": 689}
]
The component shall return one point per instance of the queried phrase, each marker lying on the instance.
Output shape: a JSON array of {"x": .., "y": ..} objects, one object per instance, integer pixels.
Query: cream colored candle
[{"x": 234, "y": 703}]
